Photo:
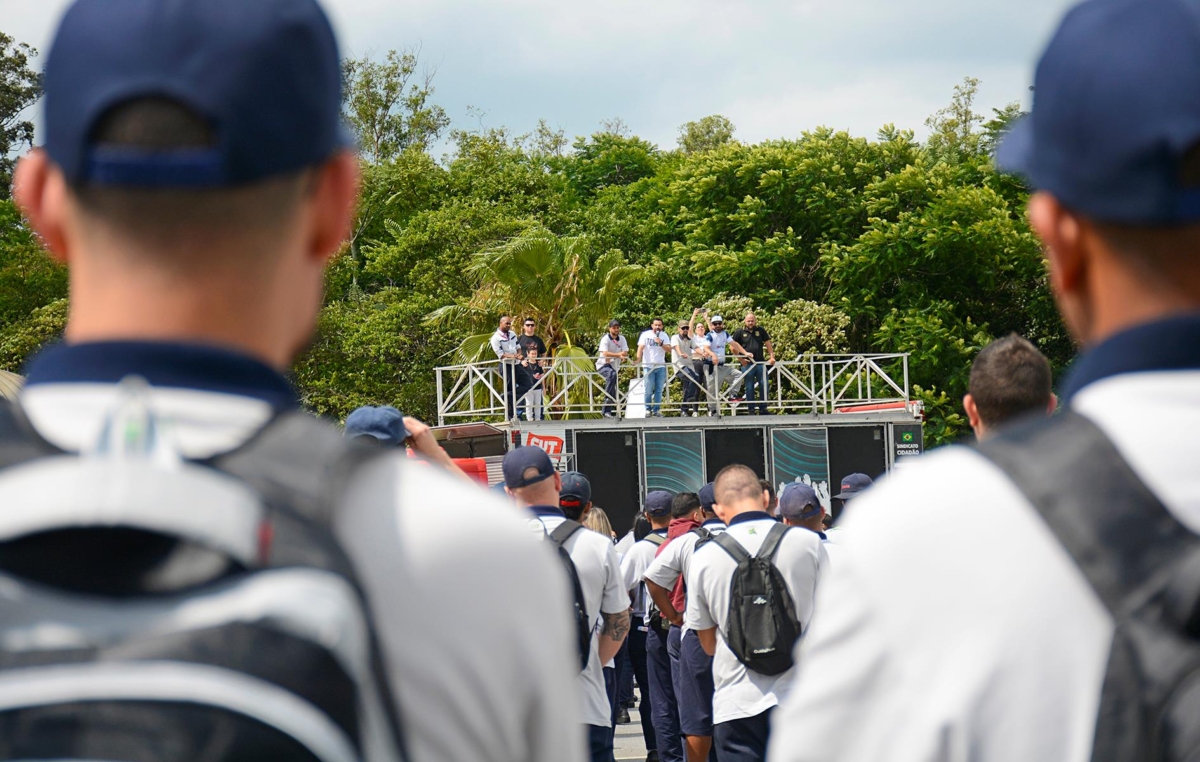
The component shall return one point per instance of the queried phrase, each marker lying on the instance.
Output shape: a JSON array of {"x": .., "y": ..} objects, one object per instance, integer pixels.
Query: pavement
[{"x": 629, "y": 744}]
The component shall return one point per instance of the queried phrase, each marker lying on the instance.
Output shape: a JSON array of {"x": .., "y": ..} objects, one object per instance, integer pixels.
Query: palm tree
[{"x": 559, "y": 281}]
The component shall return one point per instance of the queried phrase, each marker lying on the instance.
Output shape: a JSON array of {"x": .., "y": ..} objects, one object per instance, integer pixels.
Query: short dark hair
[
  {"x": 641, "y": 526},
  {"x": 736, "y": 482},
  {"x": 770, "y": 490},
  {"x": 683, "y": 504},
  {"x": 161, "y": 124},
  {"x": 1010, "y": 378},
  {"x": 1159, "y": 252}
]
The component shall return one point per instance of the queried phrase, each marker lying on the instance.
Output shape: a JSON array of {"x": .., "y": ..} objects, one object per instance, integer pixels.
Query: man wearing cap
[
  {"x": 196, "y": 179},
  {"x": 716, "y": 342},
  {"x": 743, "y": 700},
  {"x": 507, "y": 350},
  {"x": 613, "y": 349},
  {"x": 387, "y": 427},
  {"x": 664, "y": 581},
  {"x": 575, "y": 496},
  {"x": 646, "y": 650},
  {"x": 529, "y": 476},
  {"x": 1016, "y": 633},
  {"x": 683, "y": 359},
  {"x": 664, "y": 712}
]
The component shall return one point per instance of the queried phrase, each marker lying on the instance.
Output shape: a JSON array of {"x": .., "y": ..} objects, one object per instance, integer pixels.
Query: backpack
[
  {"x": 583, "y": 623},
  {"x": 185, "y": 610},
  {"x": 654, "y": 618},
  {"x": 762, "y": 627},
  {"x": 1143, "y": 565}
]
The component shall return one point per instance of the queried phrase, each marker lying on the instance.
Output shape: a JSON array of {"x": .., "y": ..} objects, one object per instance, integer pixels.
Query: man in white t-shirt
[
  {"x": 529, "y": 476},
  {"x": 1011, "y": 621},
  {"x": 613, "y": 349},
  {"x": 682, "y": 358},
  {"x": 651, "y": 352},
  {"x": 504, "y": 346},
  {"x": 633, "y": 567},
  {"x": 744, "y": 699},
  {"x": 693, "y": 675}
]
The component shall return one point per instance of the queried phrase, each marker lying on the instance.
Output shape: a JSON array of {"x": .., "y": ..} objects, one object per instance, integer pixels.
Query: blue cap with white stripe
[{"x": 265, "y": 75}]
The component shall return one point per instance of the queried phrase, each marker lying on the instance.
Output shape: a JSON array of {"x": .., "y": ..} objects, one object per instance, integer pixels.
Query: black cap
[
  {"x": 852, "y": 485},
  {"x": 520, "y": 460},
  {"x": 576, "y": 490},
  {"x": 658, "y": 503}
]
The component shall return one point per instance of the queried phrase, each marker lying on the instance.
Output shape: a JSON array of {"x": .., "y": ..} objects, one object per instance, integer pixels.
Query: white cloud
[{"x": 775, "y": 67}]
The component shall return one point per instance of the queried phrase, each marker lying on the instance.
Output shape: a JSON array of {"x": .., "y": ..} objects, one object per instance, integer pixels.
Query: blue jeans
[
  {"x": 656, "y": 379},
  {"x": 756, "y": 389}
]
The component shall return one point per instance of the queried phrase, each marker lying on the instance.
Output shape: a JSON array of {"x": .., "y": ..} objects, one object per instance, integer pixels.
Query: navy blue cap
[
  {"x": 658, "y": 503},
  {"x": 852, "y": 485},
  {"x": 520, "y": 460},
  {"x": 1116, "y": 111},
  {"x": 385, "y": 424},
  {"x": 265, "y": 74},
  {"x": 576, "y": 490},
  {"x": 799, "y": 501},
  {"x": 708, "y": 497}
]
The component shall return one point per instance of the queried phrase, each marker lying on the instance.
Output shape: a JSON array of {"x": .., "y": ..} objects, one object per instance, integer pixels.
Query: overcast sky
[{"x": 775, "y": 67}]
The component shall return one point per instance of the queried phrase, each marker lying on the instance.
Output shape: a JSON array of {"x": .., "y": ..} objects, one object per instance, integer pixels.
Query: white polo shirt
[
  {"x": 972, "y": 634},
  {"x": 676, "y": 558},
  {"x": 498, "y": 685},
  {"x": 654, "y": 355},
  {"x": 741, "y": 693},
  {"x": 607, "y": 344},
  {"x": 599, "y": 572},
  {"x": 633, "y": 569}
]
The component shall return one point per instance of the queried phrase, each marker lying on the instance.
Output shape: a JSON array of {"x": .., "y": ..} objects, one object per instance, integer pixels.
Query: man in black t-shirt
[
  {"x": 757, "y": 342},
  {"x": 528, "y": 339}
]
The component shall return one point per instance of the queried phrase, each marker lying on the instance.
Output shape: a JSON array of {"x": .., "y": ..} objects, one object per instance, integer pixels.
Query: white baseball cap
[{"x": 716, "y": 319}]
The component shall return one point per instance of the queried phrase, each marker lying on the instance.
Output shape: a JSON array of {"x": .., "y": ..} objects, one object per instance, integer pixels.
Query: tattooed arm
[{"x": 612, "y": 634}]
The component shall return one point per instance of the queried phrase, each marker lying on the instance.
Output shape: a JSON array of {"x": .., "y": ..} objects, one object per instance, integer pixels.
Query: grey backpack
[
  {"x": 153, "y": 608},
  {"x": 1144, "y": 566}
]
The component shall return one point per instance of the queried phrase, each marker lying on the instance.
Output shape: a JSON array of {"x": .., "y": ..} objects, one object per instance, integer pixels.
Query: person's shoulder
[{"x": 955, "y": 489}]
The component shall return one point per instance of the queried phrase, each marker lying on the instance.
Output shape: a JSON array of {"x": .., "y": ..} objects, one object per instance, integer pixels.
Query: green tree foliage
[
  {"x": 387, "y": 103},
  {"x": 706, "y": 134},
  {"x": 567, "y": 286},
  {"x": 20, "y": 88},
  {"x": 839, "y": 243}
]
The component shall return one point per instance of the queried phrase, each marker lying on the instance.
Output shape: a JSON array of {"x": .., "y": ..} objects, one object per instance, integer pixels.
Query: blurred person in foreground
[
  {"x": 196, "y": 229},
  {"x": 1049, "y": 617},
  {"x": 1010, "y": 379}
]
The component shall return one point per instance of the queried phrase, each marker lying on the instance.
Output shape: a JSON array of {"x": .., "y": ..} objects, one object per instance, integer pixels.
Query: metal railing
[{"x": 572, "y": 387}]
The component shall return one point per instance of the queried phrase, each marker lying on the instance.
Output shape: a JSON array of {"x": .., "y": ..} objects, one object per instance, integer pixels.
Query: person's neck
[
  {"x": 1123, "y": 298},
  {"x": 746, "y": 506},
  {"x": 146, "y": 307}
]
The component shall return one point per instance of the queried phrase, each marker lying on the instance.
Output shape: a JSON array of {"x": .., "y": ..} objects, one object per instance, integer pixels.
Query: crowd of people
[
  {"x": 702, "y": 355},
  {"x": 193, "y": 568}
]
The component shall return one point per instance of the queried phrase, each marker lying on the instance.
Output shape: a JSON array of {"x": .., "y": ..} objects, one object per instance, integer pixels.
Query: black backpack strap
[
  {"x": 770, "y": 545},
  {"x": 563, "y": 532},
  {"x": 1121, "y": 536},
  {"x": 301, "y": 466},
  {"x": 732, "y": 547},
  {"x": 655, "y": 539}
]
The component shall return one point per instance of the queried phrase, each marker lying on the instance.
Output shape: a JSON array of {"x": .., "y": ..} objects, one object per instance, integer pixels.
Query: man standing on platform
[
  {"x": 685, "y": 373},
  {"x": 652, "y": 353},
  {"x": 613, "y": 349},
  {"x": 756, "y": 342},
  {"x": 504, "y": 344}
]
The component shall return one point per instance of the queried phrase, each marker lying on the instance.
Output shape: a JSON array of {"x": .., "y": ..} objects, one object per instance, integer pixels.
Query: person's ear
[
  {"x": 1069, "y": 259},
  {"x": 40, "y": 192},
  {"x": 557, "y": 482},
  {"x": 972, "y": 414},
  {"x": 1053, "y": 404},
  {"x": 332, "y": 204}
]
